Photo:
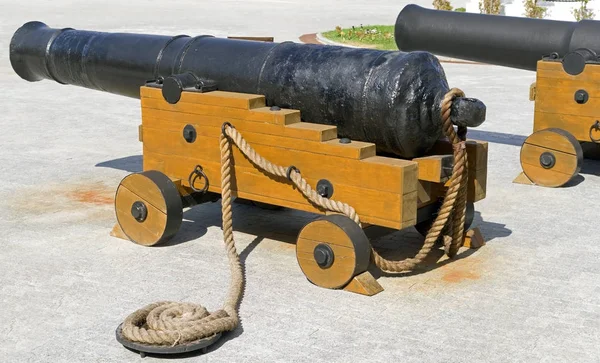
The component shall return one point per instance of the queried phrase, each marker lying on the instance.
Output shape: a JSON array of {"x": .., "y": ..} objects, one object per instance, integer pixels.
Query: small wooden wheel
[
  {"x": 332, "y": 250},
  {"x": 551, "y": 157},
  {"x": 148, "y": 207}
]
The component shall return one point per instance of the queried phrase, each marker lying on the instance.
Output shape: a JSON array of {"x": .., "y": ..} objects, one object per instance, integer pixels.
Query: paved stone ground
[{"x": 532, "y": 294}]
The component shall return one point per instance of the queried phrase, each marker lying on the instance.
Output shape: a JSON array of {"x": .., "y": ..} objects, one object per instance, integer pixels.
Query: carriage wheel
[
  {"x": 332, "y": 250},
  {"x": 551, "y": 157},
  {"x": 148, "y": 207}
]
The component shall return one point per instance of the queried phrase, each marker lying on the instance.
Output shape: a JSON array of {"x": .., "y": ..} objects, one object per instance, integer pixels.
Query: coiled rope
[{"x": 171, "y": 323}]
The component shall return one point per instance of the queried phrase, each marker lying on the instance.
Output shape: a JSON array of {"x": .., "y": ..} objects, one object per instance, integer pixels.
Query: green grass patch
[{"x": 368, "y": 36}]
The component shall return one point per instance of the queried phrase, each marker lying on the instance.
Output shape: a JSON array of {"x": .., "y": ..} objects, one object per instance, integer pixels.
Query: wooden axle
[{"x": 181, "y": 142}]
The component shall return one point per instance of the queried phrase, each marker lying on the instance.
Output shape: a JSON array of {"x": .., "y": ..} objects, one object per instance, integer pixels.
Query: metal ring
[
  {"x": 595, "y": 126},
  {"x": 288, "y": 173},
  {"x": 223, "y": 128},
  {"x": 195, "y": 174}
]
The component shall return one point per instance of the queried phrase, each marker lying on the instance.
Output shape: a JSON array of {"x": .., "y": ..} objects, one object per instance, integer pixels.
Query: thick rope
[
  {"x": 171, "y": 323},
  {"x": 454, "y": 203}
]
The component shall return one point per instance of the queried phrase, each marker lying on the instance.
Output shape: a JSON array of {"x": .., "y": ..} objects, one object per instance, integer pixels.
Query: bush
[
  {"x": 532, "y": 10},
  {"x": 442, "y": 5},
  {"x": 489, "y": 7},
  {"x": 462, "y": 10},
  {"x": 583, "y": 12}
]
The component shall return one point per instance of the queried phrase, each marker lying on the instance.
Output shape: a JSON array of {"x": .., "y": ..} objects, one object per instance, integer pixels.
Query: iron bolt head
[
  {"x": 581, "y": 96},
  {"x": 323, "y": 255},
  {"x": 139, "y": 211},
  {"x": 547, "y": 160},
  {"x": 323, "y": 190}
]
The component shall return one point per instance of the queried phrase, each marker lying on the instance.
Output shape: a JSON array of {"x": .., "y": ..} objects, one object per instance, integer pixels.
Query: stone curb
[{"x": 326, "y": 41}]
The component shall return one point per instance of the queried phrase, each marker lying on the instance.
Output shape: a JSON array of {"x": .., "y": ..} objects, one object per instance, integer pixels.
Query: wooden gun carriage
[{"x": 182, "y": 138}]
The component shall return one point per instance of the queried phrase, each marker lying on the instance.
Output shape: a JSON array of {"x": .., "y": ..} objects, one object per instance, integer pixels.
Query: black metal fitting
[
  {"x": 345, "y": 140},
  {"x": 174, "y": 85},
  {"x": 139, "y": 211},
  {"x": 205, "y": 85},
  {"x": 324, "y": 188},
  {"x": 547, "y": 160},
  {"x": 195, "y": 174},
  {"x": 288, "y": 173},
  {"x": 189, "y": 133},
  {"x": 574, "y": 62},
  {"x": 595, "y": 127},
  {"x": 223, "y": 128},
  {"x": 581, "y": 96},
  {"x": 323, "y": 255}
]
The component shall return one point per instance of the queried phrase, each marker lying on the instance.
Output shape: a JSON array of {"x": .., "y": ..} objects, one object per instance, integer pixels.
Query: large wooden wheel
[
  {"x": 332, "y": 250},
  {"x": 148, "y": 207},
  {"x": 551, "y": 157}
]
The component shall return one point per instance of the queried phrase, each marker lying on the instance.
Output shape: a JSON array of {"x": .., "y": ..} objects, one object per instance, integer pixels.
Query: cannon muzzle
[
  {"x": 500, "y": 40},
  {"x": 391, "y": 99}
]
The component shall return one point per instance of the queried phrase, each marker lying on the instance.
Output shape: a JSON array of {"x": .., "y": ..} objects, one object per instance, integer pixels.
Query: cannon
[
  {"x": 564, "y": 56},
  {"x": 360, "y": 126},
  {"x": 362, "y": 138}
]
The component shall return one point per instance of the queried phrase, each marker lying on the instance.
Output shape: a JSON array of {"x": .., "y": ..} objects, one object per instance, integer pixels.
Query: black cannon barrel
[
  {"x": 501, "y": 40},
  {"x": 389, "y": 98}
]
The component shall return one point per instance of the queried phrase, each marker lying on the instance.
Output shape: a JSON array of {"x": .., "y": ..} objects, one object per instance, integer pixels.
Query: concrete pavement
[{"x": 532, "y": 294}]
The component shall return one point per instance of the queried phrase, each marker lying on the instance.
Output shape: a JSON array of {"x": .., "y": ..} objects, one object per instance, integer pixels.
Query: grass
[{"x": 368, "y": 36}]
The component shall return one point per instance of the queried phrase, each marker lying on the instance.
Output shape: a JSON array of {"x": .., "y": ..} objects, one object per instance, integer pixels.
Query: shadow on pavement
[
  {"x": 497, "y": 137},
  {"x": 132, "y": 164},
  {"x": 405, "y": 244}
]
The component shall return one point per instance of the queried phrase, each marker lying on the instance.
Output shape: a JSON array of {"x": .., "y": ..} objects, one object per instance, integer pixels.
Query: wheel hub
[
  {"x": 323, "y": 255},
  {"x": 139, "y": 211},
  {"x": 547, "y": 160}
]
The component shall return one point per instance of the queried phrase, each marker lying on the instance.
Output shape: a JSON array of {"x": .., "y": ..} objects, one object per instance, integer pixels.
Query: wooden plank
[
  {"x": 244, "y": 101},
  {"x": 354, "y": 150},
  {"x": 477, "y": 152},
  {"x": 174, "y": 121},
  {"x": 576, "y": 125},
  {"x": 261, "y": 114},
  {"x": 566, "y": 84},
  {"x": 476, "y": 187},
  {"x": 560, "y": 100},
  {"x": 377, "y": 173},
  {"x": 375, "y": 207},
  {"x": 555, "y": 70},
  {"x": 435, "y": 168}
]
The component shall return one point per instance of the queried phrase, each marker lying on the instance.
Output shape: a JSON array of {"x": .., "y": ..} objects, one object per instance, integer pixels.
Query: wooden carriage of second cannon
[{"x": 565, "y": 57}]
